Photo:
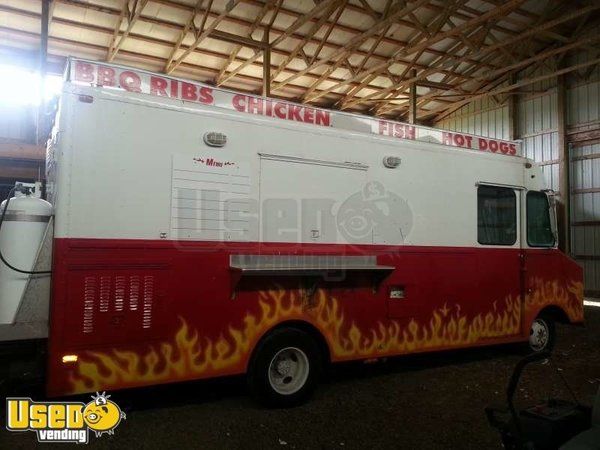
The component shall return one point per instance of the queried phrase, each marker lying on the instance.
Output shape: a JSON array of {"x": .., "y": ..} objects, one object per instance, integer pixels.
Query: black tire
[
  {"x": 544, "y": 324},
  {"x": 278, "y": 343}
]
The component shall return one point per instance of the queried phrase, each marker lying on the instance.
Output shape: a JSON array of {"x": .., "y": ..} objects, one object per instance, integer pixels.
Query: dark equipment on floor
[{"x": 553, "y": 424}]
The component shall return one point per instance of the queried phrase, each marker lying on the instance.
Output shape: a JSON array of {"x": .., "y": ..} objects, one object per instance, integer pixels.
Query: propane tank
[{"x": 21, "y": 234}]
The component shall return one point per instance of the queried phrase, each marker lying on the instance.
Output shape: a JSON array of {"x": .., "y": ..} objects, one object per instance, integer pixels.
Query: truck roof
[{"x": 118, "y": 77}]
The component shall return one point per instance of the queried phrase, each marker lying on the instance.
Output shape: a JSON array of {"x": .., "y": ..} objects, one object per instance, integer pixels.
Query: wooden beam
[
  {"x": 51, "y": 13},
  {"x": 43, "y": 59},
  {"x": 123, "y": 14},
  {"x": 435, "y": 28},
  {"x": 412, "y": 100},
  {"x": 346, "y": 62},
  {"x": 354, "y": 43},
  {"x": 513, "y": 112},
  {"x": 540, "y": 56},
  {"x": 240, "y": 21},
  {"x": 433, "y": 84},
  {"x": 518, "y": 84},
  {"x": 464, "y": 13},
  {"x": 335, "y": 4},
  {"x": 238, "y": 40},
  {"x": 20, "y": 151},
  {"x": 137, "y": 10},
  {"x": 203, "y": 35},
  {"x": 195, "y": 68},
  {"x": 505, "y": 9},
  {"x": 564, "y": 219},
  {"x": 189, "y": 26},
  {"x": 231, "y": 19},
  {"x": 482, "y": 52},
  {"x": 291, "y": 29},
  {"x": 22, "y": 171},
  {"x": 325, "y": 37},
  {"x": 253, "y": 27},
  {"x": 266, "y": 90}
]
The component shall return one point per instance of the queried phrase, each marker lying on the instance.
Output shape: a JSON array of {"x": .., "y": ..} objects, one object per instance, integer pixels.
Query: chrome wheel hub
[
  {"x": 539, "y": 335},
  {"x": 288, "y": 370}
]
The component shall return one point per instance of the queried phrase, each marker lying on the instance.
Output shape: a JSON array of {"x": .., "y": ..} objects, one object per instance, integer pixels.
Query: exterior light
[
  {"x": 391, "y": 162},
  {"x": 69, "y": 359},
  {"x": 215, "y": 139}
]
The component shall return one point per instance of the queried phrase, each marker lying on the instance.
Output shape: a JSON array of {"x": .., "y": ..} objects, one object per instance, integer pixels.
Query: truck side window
[
  {"x": 539, "y": 227},
  {"x": 496, "y": 215}
]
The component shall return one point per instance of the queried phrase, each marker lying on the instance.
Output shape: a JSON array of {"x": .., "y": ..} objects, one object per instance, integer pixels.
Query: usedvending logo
[{"x": 64, "y": 421}]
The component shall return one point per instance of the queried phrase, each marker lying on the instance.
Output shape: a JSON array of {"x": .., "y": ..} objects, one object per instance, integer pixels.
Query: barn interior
[{"x": 516, "y": 70}]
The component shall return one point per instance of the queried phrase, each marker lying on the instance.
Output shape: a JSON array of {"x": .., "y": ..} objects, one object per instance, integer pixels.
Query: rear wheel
[
  {"x": 542, "y": 335},
  {"x": 285, "y": 367}
]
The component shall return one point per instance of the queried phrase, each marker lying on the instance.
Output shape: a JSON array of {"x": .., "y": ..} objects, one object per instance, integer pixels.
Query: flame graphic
[
  {"x": 189, "y": 356},
  {"x": 545, "y": 293}
]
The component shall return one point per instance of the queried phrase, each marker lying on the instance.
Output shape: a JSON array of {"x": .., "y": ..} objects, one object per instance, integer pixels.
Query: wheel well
[
  {"x": 556, "y": 313},
  {"x": 308, "y": 329}
]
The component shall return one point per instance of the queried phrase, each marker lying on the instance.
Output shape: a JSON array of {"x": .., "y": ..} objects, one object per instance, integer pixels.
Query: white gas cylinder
[{"x": 21, "y": 234}]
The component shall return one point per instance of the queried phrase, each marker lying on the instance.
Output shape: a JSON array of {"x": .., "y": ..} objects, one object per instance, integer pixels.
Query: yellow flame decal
[
  {"x": 189, "y": 356},
  {"x": 545, "y": 293}
]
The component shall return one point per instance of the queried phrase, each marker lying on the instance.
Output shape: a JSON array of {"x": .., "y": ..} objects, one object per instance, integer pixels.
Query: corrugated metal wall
[
  {"x": 583, "y": 113},
  {"x": 484, "y": 117},
  {"x": 537, "y": 126}
]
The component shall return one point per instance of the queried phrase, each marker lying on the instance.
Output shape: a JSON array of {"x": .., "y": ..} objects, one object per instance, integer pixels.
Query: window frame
[
  {"x": 529, "y": 244},
  {"x": 515, "y": 215}
]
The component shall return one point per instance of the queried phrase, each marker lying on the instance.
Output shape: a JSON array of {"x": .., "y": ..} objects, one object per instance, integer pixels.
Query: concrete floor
[{"x": 429, "y": 402}]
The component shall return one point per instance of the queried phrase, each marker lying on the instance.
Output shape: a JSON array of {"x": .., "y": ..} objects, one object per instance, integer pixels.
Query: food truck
[{"x": 189, "y": 232}]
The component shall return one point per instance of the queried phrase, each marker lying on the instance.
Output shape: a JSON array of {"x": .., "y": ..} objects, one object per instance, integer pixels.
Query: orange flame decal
[{"x": 189, "y": 356}]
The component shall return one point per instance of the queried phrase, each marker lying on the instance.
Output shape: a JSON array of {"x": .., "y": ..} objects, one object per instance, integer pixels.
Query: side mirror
[{"x": 551, "y": 196}]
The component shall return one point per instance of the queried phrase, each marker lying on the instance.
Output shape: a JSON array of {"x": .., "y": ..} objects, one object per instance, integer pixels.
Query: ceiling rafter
[
  {"x": 536, "y": 58},
  {"x": 334, "y": 5},
  {"x": 339, "y": 27},
  {"x": 148, "y": 40},
  {"x": 132, "y": 14},
  {"x": 435, "y": 27},
  {"x": 342, "y": 56},
  {"x": 190, "y": 67},
  {"x": 291, "y": 29},
  {"x": 407, "y": 23},
  {"x": 231, "y": 19},
  {"x": 434, "y": 87},
  {"x": 506, "y": 8},
  {"x": 481, "y": 52},
  {"x": 346, "y": 64},
  {"x": 325, "y": 37},
  {"x": 443, "y": 112},
  {"x": 203, "y": 35},
  {"x": 120, "y": 21},
  {"x": 354, "y": 43},
  {"x": 190, "y": 25},
  {"x": 268, "y": 6},
  {"x": 425, "y": 99}
]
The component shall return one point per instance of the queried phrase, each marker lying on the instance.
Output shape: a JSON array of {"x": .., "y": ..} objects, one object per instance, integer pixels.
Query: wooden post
[
  {"x": 41, "y": 123},
  {"x": 266, "y": 90},
  {"x": 564, "y": 219},
  {"x": 412, "y": 100},
  {"x": 513, "y": 112}
]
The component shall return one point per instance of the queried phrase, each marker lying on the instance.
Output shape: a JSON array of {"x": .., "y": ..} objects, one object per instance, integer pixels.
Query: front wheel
[
  {"x": 542, "y": 334},
  {"x": 284, "y": 369}
]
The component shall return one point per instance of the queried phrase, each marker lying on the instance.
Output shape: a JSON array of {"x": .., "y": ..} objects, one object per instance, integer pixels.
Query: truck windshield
[{"x": 539, "y": 225}]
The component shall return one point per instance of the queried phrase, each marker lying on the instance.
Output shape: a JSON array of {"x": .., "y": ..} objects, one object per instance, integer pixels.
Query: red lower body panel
[{"x": 147, "y": 312}]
